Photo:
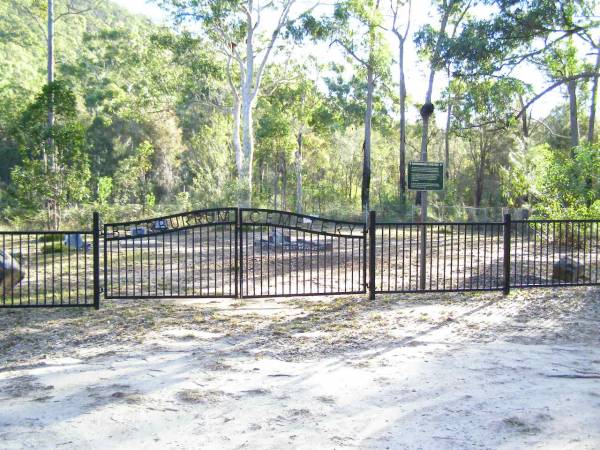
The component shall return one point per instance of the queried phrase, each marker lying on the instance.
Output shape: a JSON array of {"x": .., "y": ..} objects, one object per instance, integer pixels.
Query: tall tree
[
  {"x": 245, "y": 32},
  {"x": 65, "y": 181},
  {"x": 356, "y": 27},
  {"x": 401, "y": 34}
]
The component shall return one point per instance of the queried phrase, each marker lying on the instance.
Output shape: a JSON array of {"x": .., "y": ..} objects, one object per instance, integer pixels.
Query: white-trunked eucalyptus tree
[{"x": 246, "y": 32}]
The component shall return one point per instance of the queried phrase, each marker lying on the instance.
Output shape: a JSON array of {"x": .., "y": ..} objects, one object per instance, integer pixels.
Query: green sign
[{"x": 425, "y": 176}]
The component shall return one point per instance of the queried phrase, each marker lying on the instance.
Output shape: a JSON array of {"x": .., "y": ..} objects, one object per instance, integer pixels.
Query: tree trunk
[
  {"x": 47, "y": 155},
  {"x": 427, "y": 108},
  {"x": 574, "y": 125},
  {"x": 366, "y": 176},
  {"x": 402, "y": 168},
  {"x": 447, "y": 143},
  {"x": 275, "y": 185},
  {"x": 237, "y": 145},
  {"x": 594, "y": 95},
  {"x": 247, "y": 100},
  {"x": 524, "y": 124},
  {"x": 248, "y": 155},
  {"x": 299, "y": 173},
  {"x": 480, "y": 173},
  {"x": 284, "y": 184}
]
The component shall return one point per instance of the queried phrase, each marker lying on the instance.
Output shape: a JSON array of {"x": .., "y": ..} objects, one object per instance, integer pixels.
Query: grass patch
[
  {"x": 53, "y": 247},
  {"x": 51, "y": 238}
]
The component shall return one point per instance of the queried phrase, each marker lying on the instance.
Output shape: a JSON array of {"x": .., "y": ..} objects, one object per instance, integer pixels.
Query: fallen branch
[{"x": 572, "y": 376}]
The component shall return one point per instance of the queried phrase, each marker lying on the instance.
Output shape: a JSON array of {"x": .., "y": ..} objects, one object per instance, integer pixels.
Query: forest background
[{"x": 314, "y": 107}]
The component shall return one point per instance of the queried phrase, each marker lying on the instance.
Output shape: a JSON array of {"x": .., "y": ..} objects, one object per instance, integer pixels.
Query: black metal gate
[
  {"x": 232, "y": 252},
  {"x": 182, "y": 255},
  {"x": 287, "y": 254}
]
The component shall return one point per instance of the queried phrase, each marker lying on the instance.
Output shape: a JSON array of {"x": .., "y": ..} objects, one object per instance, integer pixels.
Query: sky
[{"x": 416, "y": 72}]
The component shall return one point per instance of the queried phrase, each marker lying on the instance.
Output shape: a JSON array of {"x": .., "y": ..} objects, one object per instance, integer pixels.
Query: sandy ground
[{"x": 451, "y": 371}]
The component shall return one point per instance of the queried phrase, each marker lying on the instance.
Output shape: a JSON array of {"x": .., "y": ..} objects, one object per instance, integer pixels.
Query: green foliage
[
  {"x": 559, "y": 184},
  {"x": 53, "y": 247},
  {"x": 51, "y": 238},
  {"x": 143, "y": 113},
  {"x": 132, "y": 177},
  {"x": 105, "y": 188},
  {"x": 52, "y": 156}
]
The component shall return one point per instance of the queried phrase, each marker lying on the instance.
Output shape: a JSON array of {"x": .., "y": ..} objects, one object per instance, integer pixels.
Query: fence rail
[{"x": 245, "y": 252}]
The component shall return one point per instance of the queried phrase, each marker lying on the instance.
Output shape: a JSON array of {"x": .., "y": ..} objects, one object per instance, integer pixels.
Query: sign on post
[{"x": 425, "y": 176}]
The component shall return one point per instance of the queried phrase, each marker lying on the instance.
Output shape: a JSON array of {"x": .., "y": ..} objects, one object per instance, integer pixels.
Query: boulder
[
  {"x": 278, "y": 238},
  {"x": 75, "y": 241},
  {"x": 567, "y": 269},
  {"x": 11, "y": 273}
]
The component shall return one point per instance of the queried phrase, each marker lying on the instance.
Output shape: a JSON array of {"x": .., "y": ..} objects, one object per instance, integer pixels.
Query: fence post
[
  {"x": 96, "y": 259},
  {"x": 237, "y": 252},
  {"x": 507, "y": 233},
  {"x": 371, "y": 284}
]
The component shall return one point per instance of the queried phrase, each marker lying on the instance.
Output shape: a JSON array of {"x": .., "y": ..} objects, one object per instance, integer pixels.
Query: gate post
[
  {"x": 96, "y": 258},
  {"x": 371, "y": 284},
  {"x": 507, "y": 229}
]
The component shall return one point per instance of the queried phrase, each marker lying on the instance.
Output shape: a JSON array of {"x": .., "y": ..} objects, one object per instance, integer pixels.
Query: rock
[
  {"x": 567, "y": 269},
  {"x": 11, "y": 273},
  {"x": 137, "y": 231},
  {"x": 278, "y": 238},
  {"x": 75, "y": 241}
]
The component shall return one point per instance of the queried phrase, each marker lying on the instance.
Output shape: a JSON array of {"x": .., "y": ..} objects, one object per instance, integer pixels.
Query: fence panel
[
  {"x": 287, "y": 254},
  {"x": 184, "y": 255},
  {"x": 555, "y": 253},
  {"x": 458, "y": 257},
  {"x": 49, "y": 268}
]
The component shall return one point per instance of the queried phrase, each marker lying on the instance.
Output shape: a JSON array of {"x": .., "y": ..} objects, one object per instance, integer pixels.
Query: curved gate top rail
[
  {"x": 301, "y": 222},
  {"x": 161, "y": 224}
]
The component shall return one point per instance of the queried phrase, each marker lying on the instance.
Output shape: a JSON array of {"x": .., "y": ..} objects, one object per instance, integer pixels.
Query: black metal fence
[
  {"x": 50, "y": 268},
  {"x": 244, "y": 252},
  {"x": 457, "y": 257}
]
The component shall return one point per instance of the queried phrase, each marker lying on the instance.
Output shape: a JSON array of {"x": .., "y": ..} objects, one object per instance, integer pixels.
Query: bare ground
[{"x": 405, "y": 371}]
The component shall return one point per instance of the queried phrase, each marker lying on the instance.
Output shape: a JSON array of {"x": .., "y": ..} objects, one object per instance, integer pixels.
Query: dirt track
[{"x": 443, "y": 371}]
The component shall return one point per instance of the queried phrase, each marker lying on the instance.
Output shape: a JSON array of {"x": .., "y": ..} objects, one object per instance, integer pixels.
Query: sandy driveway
[{"x": 431, "y": 372}]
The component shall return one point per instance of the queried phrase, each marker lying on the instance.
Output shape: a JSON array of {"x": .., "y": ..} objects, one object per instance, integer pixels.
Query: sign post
[{"x": 424, "y": 176}]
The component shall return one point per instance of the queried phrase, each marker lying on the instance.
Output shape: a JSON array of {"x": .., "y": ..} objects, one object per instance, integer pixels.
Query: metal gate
[
  {"x": 287, "y": 254},
  {"x": 182, "y": 255},
  {"x": 232, "y": 252}
]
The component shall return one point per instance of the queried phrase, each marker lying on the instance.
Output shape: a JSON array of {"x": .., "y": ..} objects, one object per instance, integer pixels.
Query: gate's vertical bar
[
  {"x": 372, "y": 253},
  {"x": 96, "y": 259},
  {"x": 507, "y": 227},
  {"x": 236, "y": 262}
]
